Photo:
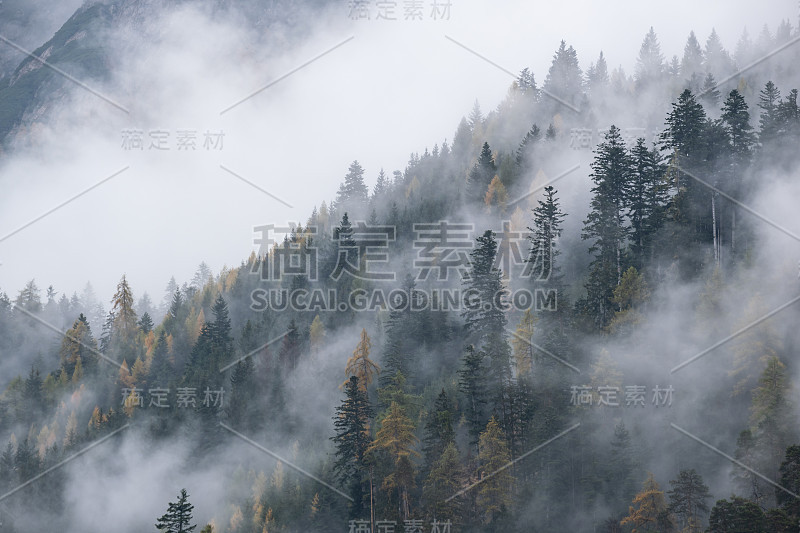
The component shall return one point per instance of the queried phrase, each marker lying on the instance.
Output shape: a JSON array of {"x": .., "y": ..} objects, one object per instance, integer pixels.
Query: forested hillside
[{"x": 578, "y": 313}]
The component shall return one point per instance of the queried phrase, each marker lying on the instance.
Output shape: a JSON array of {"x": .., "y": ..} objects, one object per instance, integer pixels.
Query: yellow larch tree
[{"x": 360, "y": 365}]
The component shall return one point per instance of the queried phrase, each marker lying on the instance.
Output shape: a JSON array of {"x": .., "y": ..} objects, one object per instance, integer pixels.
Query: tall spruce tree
[
  {"x": 352, "y": 440},
  {"x": 481, "y": 175},
  {"x": 605, "y": 225},
  {"x": 178, "y": 516}
]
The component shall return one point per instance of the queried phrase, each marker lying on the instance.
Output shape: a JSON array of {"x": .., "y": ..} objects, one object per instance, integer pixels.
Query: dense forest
[{"x": 575, "y": 315}]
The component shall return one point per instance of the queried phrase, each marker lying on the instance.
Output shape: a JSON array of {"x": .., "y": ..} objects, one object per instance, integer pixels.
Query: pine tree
[
  {"x": 353, "y": 192},
  {"x": 485, "y": 321},
  {"x": 382, "y": 185},
  {"x": 709, "y": 94},
  {"x": 146, "y": 323},
  {"x": 522, "y": 345},
  {"x": 352, "y": 440},
  {"x": 125, "y": 327},
  {"x": 790, "y": 480},
  {"x": 605, "y": 225},
  {"x": 494, "y": 493},
  {"x": 472, "y": 384},
  {"x": 769, "y": 122},
  {"x": 545, "y": 231},
  {"x": 78, "y": 343},
  {"x": 178, "y": 516},
  {"x": 526, "y": 153},
  {"x": 29, "y": 298},
  {"x": 481, "y": 175},
  {"x": 687, "y": 500},
  {"x": 439, "y": 431},
  {"x": 741, "y": 139},
  {"x": 443, "y": 481},
  {"x": 692, "y": 62},
  {"x": 241, "y": 412},
  {"x": 646, "y": 196},
  {"x": 772, "y": 420},
  {"x": 160, "y": 368},
  {"x": 564, "y": 78},
  {"x": 650, "y": 63},
  {"x": 685, "y": 138},
  {"x": 526, "y": 84},
  {"x": 597, "y": 78},
  {"x": 717, "y": 60},
  {"x": 289, "y": 354},
  {"x": 621, "y": 468},
  {"x": 736, "y": 515}
]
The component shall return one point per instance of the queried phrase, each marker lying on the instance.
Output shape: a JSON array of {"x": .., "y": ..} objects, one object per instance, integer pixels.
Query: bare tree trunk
[
  {"x": 714, "y": 229},
  {"x": 371, "y": 508}
]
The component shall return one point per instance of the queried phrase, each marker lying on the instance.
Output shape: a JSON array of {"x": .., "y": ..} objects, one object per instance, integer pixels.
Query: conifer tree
[
  {"x": 687, "y": 500},
  {"x": 494, "y": 494},
  {"x": 648, "y": 510},
  {"x": 650, "y": 63},
  {"x": 352, "y": 441},
  {"x": 481, "y": 175},
  {"x": 605, "y": 225},
  {"x": 178, "y": 517},
  {"x": 360, "y": 365}
]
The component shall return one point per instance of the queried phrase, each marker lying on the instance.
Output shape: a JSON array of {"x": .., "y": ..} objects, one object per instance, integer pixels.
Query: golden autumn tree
[
  {"x": 360, "y": 365},
  {"x": 521, "y": 343},
  {"x": 648, "y": 512},
  {"x": 396, "y": 436},
  {"x": 496, "y": 198},
  {"x": 316, "y": 335},
  {"x": 494, "y": 493}
]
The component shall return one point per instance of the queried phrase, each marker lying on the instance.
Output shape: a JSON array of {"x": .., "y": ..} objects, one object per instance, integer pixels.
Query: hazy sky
[{"x": 396, "y": 87}]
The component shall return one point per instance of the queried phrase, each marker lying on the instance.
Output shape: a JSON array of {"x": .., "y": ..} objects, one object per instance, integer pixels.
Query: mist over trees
[{"x": 650, "y": 384}]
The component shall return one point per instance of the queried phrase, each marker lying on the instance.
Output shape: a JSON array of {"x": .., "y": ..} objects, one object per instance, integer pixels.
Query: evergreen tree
[
  {"x": 439, "y": 431},
  {"x": 178, "y": 516},
  {"x": 687, "y": 500},
  {"x": 621, "y": 468},
  {"x": 650, "y": 63},
  {"x": 352, "y": 441},
  {"x": 29, "y": 298},
  {"x": 736, "y": 515},
  {"x": 717, "y": 60},
  {"x": 160, "y": 369},
  {"x": 646, "y": 196},
  {"x": 526, "y": 152},
  {"x": 443, "y": 481},
  {"x": 146, "y": 323},
  {"x": 125, "y": 326},
  {"x": 481, "y": 175},
  {"x": 289, "y": 354},
  {"x": 605, "y": 225},
  {"x": 545, "y": 231},
  {"x": 353, "y": 192},
  {"x": 692, "y": 62},
  {"x": 564, "y": 78},
  {"x": 494, "y": 493},
  {"x": 472, "y": 384},
  {"x": 769, "y": 122},
  {"x": 597, "y": 78},
  {"x": 790, "y": 480}
]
